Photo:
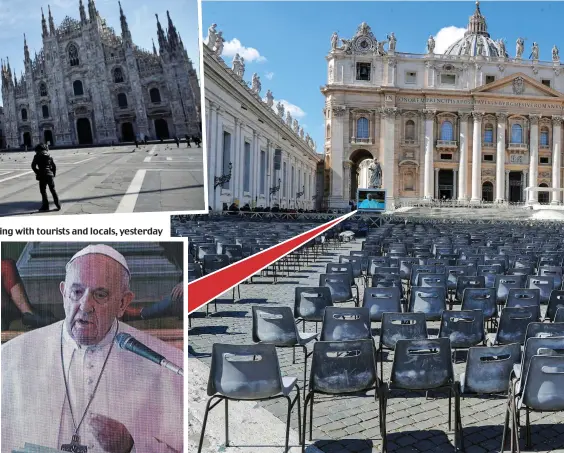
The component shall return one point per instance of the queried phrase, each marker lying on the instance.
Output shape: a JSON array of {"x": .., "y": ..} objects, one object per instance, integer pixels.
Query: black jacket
[{"x": 43, "y": 165}]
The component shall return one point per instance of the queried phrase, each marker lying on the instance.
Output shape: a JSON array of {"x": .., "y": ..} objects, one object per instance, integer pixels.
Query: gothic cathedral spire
[
  {"x": 51, "y": 23},
  {"x": 172, "y": 35},
  {"x": 160, "y": 33},
  {"x": 125, "y": 33},
  {"x": 44, "y": 33},
  {"x": 26, "y": 51},
  {"x": 82, "y": 13}
]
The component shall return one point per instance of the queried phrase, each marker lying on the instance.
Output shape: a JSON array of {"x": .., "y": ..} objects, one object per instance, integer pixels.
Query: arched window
[
  {"x": 24, "y": 115},
  {"x": 410, "y": 130},
  {"x": 45, "y": 111},
  {"x": 488, "y": 134},
  {"x": 78, "y": 88},
  {"x": 42, "y": 89},
  {"x": 446, "y": 131},
  {"x": 362, "y": 128},
  {"x": 122, "y": 100},
  {"x": 73, "y": 55},
  {"x": 155, "y": 95},
  {"x": 118, "y": 75},
  {"x": 544, "y": 136},
  {"x": 516, "y": 133}
]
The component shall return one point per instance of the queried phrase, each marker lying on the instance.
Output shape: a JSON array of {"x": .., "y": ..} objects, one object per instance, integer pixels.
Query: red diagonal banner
[{"x": 212, "y": 285}]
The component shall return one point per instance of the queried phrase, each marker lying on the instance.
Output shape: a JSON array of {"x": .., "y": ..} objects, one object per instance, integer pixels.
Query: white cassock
[{"x": 136, "y": 392}]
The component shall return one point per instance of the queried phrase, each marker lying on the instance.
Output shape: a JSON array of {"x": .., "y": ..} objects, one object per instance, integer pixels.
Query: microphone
[{"x": 126, "y": 341}]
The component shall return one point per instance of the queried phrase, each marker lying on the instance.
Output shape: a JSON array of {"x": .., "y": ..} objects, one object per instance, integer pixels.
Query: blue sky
[
  {"x": 18, "y": 17},
  {"x": 286, "y": 42}
]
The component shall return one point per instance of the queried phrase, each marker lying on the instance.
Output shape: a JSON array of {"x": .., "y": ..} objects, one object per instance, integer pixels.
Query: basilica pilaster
[
  {"x": 338, "y": 123},
  {"x": 556, "y": 158},
  {"x": 463, "y": 160},
  {"x": 389, "y": 167},
  {"x": 500, "y": 161},
  {"x": 534, "y": 158},
  {"x": 429, "y": 116},
  {"x": 507, "y": 184},
  {"x": 347, "y": 165},
  {"x": 436, "y": 185},
  {"x": 477, "y": 157}
]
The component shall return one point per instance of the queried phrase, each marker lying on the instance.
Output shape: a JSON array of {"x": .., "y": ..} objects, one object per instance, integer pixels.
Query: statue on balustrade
[
  {"x": 431, "y": 45},
  {"x": 211, "y": 36},
  {"x": 334, "y": 41},
  {"x": 534, "y": 52},
  {"x": 555, "y": 54},
  {"x": 392, "y": 42},
  {"x": 520, "y": 47},
  {"x": 375, "y": 174}
]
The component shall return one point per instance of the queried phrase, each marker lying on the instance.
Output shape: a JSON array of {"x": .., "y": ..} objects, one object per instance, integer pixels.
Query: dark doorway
[
  {"x": 487, "y": 191},
  {"x": 127, "y": 134},
  {"x": 446, "y": 184},
  {"x": 27, "y": 139},
  {"x": 161, "y": 129},
  {"x": 84, "y": 131},
  {"x": 515, "y": 186},
  {"x": 544, "y": 197},
  {"x": 48, "y": 138}
]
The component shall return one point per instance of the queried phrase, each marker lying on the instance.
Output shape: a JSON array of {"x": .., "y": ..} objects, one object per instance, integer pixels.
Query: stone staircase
[{"x": 42, "y": 268}]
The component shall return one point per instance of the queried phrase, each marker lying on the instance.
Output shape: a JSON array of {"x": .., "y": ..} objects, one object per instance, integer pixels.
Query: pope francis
[{"x": 70, "y": 386}]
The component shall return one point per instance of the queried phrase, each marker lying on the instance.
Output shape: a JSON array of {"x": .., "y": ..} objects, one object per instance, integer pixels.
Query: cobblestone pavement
[{"x": 351, "y": 424}]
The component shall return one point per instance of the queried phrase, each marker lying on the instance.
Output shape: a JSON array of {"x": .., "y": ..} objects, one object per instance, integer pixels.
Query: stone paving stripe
[
  {"x": 127, "y": 203},
  {"x": 16, "y": 176}
]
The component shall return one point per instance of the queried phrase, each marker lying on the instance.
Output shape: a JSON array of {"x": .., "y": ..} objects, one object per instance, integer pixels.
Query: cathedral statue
[
  {"x": 301, "y": 132},
  {"x": 555, "y": 53},
  {"x": 236, "y": 65},
  {"x": 520, "y": 47},
  {"x": 295, "y": 126},
  {"x": 380, "y": 48},
  {"x": 502, "y": 50},
  {"x": 347, "y": 44},
  {"x": 219, "y": 40},
  {"x": 269, "y": 98},
  {"x": 280, "y": 109},
  {"x": 375, "y": 175},
  {"x": 256, "y": 85},
  {"x": 480, "y": 48},
  {"x": 392, "y": 42},
  {"x": 431, "y": 45},
  {"x": 211, "y": 36},
  {"x": 334, "y": 41},
  {"x": 242, "y": 67},
  {"x": 534, "y": 52},
  {"x": 466, "y": 47},
  {"x": 288, "y": 118}
]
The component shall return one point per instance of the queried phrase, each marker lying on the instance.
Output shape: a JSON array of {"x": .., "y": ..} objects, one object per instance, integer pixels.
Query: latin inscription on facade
[{"x": 492, "y": 102}]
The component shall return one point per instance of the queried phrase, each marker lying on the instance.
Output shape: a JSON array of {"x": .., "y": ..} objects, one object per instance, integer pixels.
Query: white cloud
[
  {"x": 447, "y": 36},
  {"x": 294, "y": 110},
  {"x": 269, "y": 75},
  {"x": 230, "y": 48}
]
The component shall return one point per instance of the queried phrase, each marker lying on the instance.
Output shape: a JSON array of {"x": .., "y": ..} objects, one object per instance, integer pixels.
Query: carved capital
[
  {"x": 392, "y": 62},
  {"x": 501, "y": 116},
  {"x": 347, "y": 164},
  {"x": 389, "y": 112},
  {"x": 556, "y": 120},
  {"x": 464, "y": 116},
  {"x": 534, "y": 119},
  {"x": 339, "y": 110},
  {"x": 478, "y": 116},
  {"x": 429, "y": 114}
]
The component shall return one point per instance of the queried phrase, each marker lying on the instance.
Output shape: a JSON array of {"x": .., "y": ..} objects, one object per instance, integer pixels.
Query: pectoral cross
[{"x": 75, "y": 446}]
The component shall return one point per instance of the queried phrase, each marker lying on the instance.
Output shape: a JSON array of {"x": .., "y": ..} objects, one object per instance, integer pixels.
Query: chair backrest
[
  {"x": 503, "y": 283},
  {"x": 523, "y": 297},
  {"x": 513, "y": 324},
  {"x": 214, "y": 262},
  {"x": 536, "y": 346},
  {"x": 542, "y": 390},
  {"x": 274, "y": 325},
  {"x": 338, "y": 284},
  {"x": 488, "y": 368},
  {"x": 206, "y": 249},
  {"x": 422, "y": 364},
  {"x": 405, "y": 265},
  {"x": 338, "y": 268},
  {"x": 526, "y": 270},
  {"x": 376, "y": 262},
  {"x": 346, "y": 323},
  {"x": 381, "y": 300},
  {"x": 387, "y": 281},
  {"x": 310, "y": 302},
  {"x": 431, "y": 301},
  {"x": 555, "y": 301},
  {"x": 453, "y": 272},
  {"x": 462, "y": 328},
  {"x": 402, "y": 326},
  {"x": 559, "y": 316},
  {"x": 246, "y": 372},
  {"x": 194, "y": 272},
  {"x": 233, "y": 251},
  {"x": 355, "y": 262},
  {"x": 343, "y": 366},
  {"x": 545, "y": 283},
  {"x": 480, "y": 299},
  {"x": 420, "y": 269},
  {"x": 554, "y": 271},
  {"x": 545, "y": 329},
  {"x": 469, "y": 281},
  {"x": 432, "y": 280}
]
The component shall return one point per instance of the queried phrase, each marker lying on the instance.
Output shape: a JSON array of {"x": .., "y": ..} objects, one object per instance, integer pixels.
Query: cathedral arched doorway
[
  {"x": 27, "y": 139},
  {"x": 127, "y": 133},
  {"x": 543, "y": 196},
  {"x": 161, "y": 129},
  {"x": 359, "y": 176},
  {"x": 84, "y": 131},
  {"x": 487, "y": 191},
  {"x": 48, "y": 138}
]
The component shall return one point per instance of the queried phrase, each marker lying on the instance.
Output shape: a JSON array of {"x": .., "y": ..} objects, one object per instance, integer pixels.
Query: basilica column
[
  {"x": 463, "y": 159},
  {"x": 436, "y": 192},
  {"x": 347, "y": 165},
  {"x": 339, "y": 120},
  {"x": 211, "y": 115},
  {"x": 500, "y": 164},
  {"x": 454, "y": 184},
  {"x": 556, "y": 149},
  {"x": 389, "y": 167},
  {"x": 534, "y": 157},
  {"x": 507, "y": 185},
  {"x": 476, "y": 157},
  {"x": 429, "y": 116},
  {"x": 524, "y": 181}
]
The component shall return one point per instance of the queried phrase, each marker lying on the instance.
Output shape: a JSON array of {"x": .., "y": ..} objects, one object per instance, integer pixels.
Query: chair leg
[
  {"x": 226, "y": 422},
  {"x": 293, "y": 355},
  {"x": 298, "y": 399},
  {"x": 528, "y": 428},
  {"x": 450, "y": 409},
  {"x": 206, "y": 413},
  {"x": 310, "y": 417},
  {"x": 305, "y": 370},
  {"x": 305, "y": 421},
  {"x": 288, "y": 421},
  {"x": 383, "y": 407},
  {"x": 506, "y": 423}
]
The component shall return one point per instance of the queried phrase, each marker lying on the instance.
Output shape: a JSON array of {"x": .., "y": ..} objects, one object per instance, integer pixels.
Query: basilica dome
[{"x": 476, "y": 40}]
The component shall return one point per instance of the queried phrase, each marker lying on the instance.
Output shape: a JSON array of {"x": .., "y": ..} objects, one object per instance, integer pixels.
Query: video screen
[{"x": 371, "y": 200}]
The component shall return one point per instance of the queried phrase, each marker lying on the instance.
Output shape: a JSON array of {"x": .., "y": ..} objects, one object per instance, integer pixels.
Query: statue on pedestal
[
  {"x": 375, "y": 175},
  {"x": 392, "y": 42},
  {"x": 347, "y": 44},
  {"x": 431, "y": 44},
  {"x": 280, "y": 109},
  {"x": 256, "y": 85},
  {"x": 211, "y": 36},
  {"x": 289, "y": 118},
  {"x": 520, "y": 47},
  {"x": 534, "y": 52},
  {"x": 334, "y": 41},
  {"x": 295, "y": 126},
  {"x": 269, "y": 98},
  {"x": 555, "y": 53},
  {"x": 502, "y": 50},
  {"x": 218, "y": 48}
]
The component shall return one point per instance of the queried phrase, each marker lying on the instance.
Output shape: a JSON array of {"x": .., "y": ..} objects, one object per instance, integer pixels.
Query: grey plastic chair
[
  {"x": 544, "y": 283},
  {"x": 248, "y": 373},
  {"x": 544, "y": 330},
  {"x": 340, "y": 287},
  {"x": 346, "y": 323},
  {"x": 552, "y": 271},
  {"x": 523, "y": 297},
  {"x": 503, "y": 283},
  {"x": 310, "y": 303},
  {"x": 481, "y": 299},
  {"x": 432, "y": 280},
  {"x": 340, "y": 368},
  {"x": 559, "y": 316},
  {"x": 463, "y": 328},
  {"x": 513, "y": 323},
  {"x": 380, "y": 301},
  {"x": 431, "y": 301},
  {"x": 555, "y": 301},
  {"x": 276, "y": 326},
  {"x": 423, "y": 365},
  {"x": 470, "y": 281}
]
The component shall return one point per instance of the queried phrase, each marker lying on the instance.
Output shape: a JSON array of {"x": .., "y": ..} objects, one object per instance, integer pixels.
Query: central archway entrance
[
  {"x": 359, "y": 176},
  {"x": 84, "y": 131},
  {"x": 161, "y": 129},
  {"x": 48, "y": 138},
  {"x": 515, "y": 186},
  {"x": 446, "y": 185},
  {"x": 544, "y": 197},
  {"x": 27, "y": 139},
  {"x": 487, "y": 191},
  {"x": 127, "y": 134}
]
